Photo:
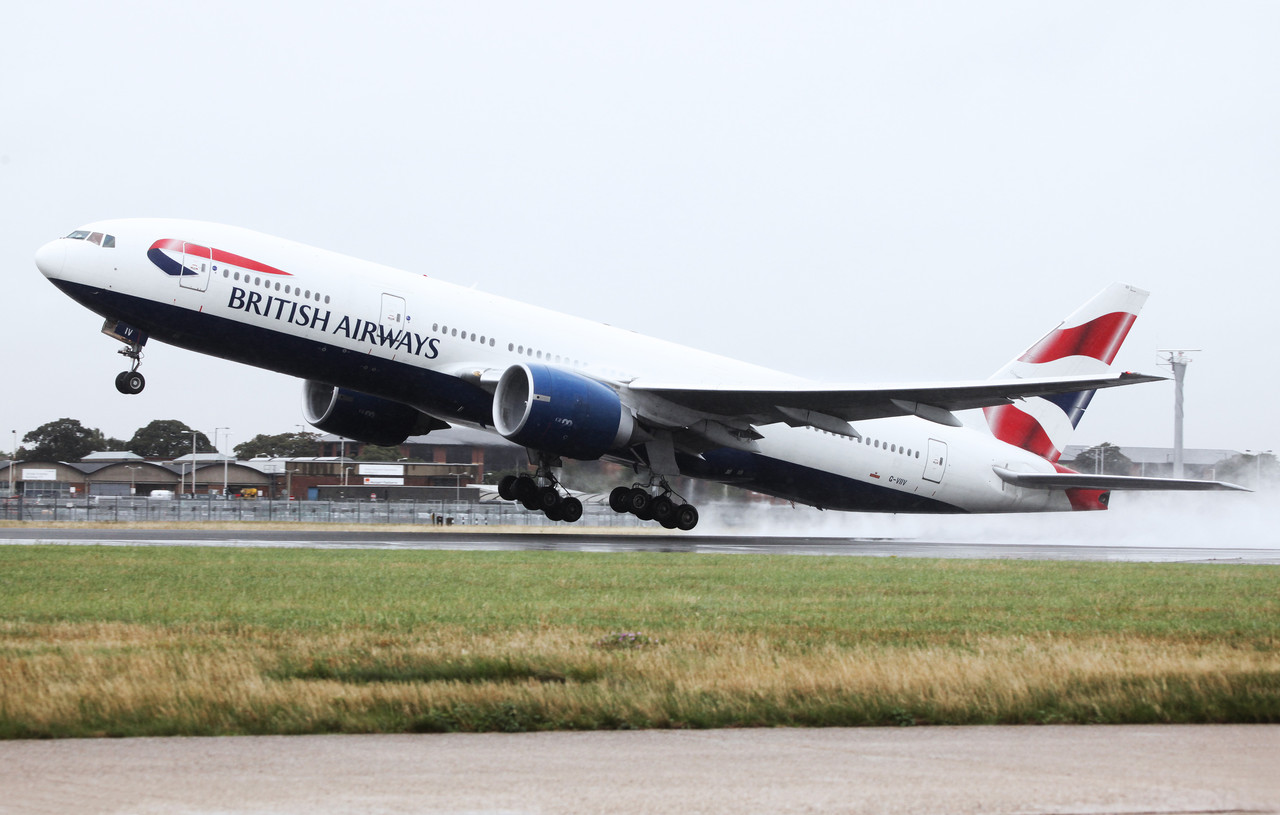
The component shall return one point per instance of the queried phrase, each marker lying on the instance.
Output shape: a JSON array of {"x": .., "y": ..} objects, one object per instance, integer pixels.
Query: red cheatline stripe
[
  {"x": 1012, "y": 426},
  {"x": 175, "y": 245},
  {"x": 1099, "y": 338}
]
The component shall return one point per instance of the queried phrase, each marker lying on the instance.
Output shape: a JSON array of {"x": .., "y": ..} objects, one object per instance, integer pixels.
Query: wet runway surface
[{"x": 588, "y": 541}]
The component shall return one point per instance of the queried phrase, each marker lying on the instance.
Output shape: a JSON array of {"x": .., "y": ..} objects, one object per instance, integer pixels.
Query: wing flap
[{"x": 773, "y": 403}]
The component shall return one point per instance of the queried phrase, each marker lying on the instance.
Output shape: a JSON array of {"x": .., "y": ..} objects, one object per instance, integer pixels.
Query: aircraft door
[
  {"x": 392, "y": 311},
  {"x": 935, "y": 461},
  {"x": 197, "y": 262}
]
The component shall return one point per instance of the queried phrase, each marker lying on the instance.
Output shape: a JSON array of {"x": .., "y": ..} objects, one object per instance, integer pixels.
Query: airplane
[{"x": 386, "y": 354}]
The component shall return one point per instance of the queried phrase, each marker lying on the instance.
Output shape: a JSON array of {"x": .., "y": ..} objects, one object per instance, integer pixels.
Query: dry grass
[{"x": 120, "y": 679}]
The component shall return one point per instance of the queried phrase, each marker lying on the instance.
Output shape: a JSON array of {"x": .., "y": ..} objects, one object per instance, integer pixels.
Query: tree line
[{"x": 69, "y": 440}]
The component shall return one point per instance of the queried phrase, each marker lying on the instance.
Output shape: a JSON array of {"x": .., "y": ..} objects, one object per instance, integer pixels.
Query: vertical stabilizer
[{"x": 1084, "y": 343}]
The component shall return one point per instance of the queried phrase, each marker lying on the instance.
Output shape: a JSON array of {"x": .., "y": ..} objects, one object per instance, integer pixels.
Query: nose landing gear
[{"x": 131, "y": 382}]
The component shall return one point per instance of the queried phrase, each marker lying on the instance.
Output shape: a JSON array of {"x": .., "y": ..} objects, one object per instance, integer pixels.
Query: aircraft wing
[
  {"x": 1085, "y": 481},
  {"x": 817, "y": 405}
]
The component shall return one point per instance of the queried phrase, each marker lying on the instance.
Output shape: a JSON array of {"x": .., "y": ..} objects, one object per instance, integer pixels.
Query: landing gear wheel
[
  {"x": 686, "y": 517},
  {"x": 554, "y": 513},
  {"x": 663, "y": 511},
  {"x": 548, "y": 499},
  {"x": 507, "y": 488},
  {"x": 618, "y": 499},
  {"x": 130, "y": 382},
  {"x": 639, "y": 501},
  {"x": 526, "y": 490},
  {"x": 570, "y": 510}
]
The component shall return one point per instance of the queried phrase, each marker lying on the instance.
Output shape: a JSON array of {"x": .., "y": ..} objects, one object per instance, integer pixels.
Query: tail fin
[{"x": 1084, "y": 343}]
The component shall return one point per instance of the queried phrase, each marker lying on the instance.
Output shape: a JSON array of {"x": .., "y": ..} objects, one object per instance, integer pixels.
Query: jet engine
[
  {"x": 560, "y": 412},
  {"x": 359, "y": 416}
]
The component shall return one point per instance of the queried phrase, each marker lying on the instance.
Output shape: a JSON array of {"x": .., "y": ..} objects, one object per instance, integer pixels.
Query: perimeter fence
[{"x": 216, "y": 510}]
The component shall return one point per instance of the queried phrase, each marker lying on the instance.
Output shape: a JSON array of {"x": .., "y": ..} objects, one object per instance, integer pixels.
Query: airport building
[
  {"x": 444, "y": 466},
  {"x": 1157, "y": 462}
]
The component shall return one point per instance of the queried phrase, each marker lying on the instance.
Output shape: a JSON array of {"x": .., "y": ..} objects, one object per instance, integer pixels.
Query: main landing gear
[
  {"x": 640, "y": 502},
  {"x": 541, "y": 493},
  {"x": 130, "y": 381}
]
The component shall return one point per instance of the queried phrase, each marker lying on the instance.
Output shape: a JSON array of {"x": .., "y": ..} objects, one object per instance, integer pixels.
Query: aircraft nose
[{"x": 50, "y": 257}]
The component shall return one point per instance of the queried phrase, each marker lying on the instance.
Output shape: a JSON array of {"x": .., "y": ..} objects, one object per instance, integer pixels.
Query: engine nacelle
[
  {"x": 560, "y": 412},
  {"x": 362, "y": 417}
]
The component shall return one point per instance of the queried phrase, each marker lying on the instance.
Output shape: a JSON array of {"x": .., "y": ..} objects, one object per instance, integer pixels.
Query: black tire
[
  {"x": 668, "y": 522},
  {"x": 571, "y": 510},
  {"x": 663, "y": 510},
  {"x": 507, "y": 488},
  {"x": 548, "y": 498},
  {"x": 526, "y": 489},
  {"x": 554, "y": 513},
  {"x": 639, "y": 501},
  {"x": 618, "y": 499},
  {"x": 530, "y": 499},
  {"x": 130, "y": 382},
  {"x": 686, "y": 517}
]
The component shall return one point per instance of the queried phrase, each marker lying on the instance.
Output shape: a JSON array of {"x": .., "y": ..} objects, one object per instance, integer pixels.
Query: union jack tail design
[{"x": 1084, "y": 343}]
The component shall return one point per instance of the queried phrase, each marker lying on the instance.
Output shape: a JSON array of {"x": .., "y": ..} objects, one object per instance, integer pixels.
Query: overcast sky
[{"x": 850, "y": 191}]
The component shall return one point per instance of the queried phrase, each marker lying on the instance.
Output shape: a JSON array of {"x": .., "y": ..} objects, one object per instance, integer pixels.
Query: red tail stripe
[
  {"x": 1099, "y": 338},
  {"x": 1010, "y": 425},
  {"x": 1084, "y": 500}
]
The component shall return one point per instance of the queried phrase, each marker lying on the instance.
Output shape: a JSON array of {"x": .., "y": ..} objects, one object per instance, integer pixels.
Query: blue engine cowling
[
  {"x": 560, "y": 412},
  {"x": 359, "y": 416}
]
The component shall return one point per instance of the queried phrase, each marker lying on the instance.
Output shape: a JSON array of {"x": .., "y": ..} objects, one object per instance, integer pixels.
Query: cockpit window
[{"x": 101, "y": 239}]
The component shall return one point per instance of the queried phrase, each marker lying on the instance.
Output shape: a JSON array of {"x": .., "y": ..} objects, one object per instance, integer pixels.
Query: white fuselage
[{"x": 319, "y": 315}]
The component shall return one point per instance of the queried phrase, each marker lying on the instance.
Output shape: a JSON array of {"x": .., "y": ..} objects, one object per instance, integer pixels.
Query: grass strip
[{"x": 114, "y": 641}]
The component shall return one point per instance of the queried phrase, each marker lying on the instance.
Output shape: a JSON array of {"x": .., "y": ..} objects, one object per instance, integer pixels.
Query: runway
[
  {"x": 1054, "y": 769},
  {"x": 605, "y": 541}
]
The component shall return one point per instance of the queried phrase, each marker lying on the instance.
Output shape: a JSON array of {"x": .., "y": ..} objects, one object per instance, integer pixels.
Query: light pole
[
  {"x": 13, "y": 459},
  {"x": 133, "y": 487},
  {"x": 1177, "y": 360},
  {"x": 1257, "y": 462},
  {"x": 224, "y": 456},
  {"x": 193, "y": 433}
]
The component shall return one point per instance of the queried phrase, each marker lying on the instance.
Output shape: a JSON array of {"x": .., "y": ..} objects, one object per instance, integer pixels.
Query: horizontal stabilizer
[{"x": 1085, "y": 481}]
